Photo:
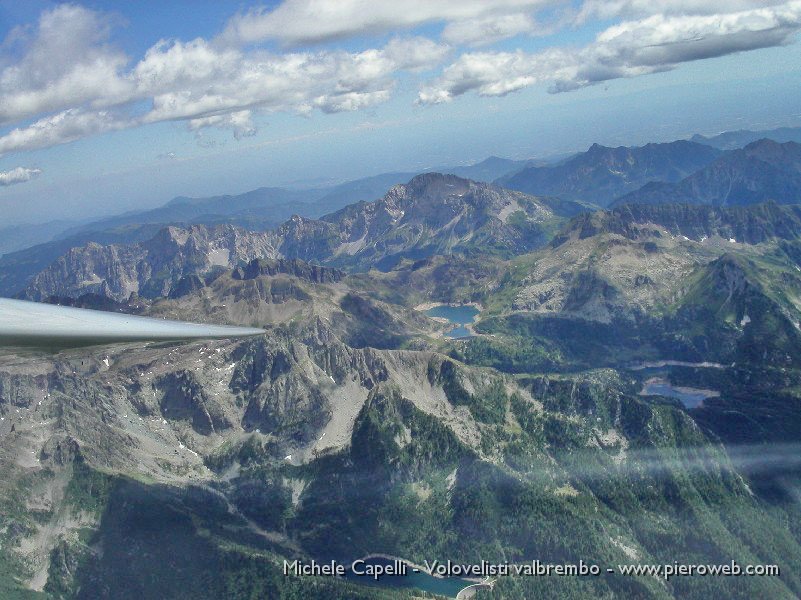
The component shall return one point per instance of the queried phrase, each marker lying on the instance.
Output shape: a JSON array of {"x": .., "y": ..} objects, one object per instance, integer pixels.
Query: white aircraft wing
[{"x": 33, "y": 324}]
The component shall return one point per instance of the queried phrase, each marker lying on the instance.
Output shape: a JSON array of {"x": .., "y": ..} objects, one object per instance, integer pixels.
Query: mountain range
[
  {"x": 431, "y": 214},
  {"x": 265, "y": 208},
  {"x": 531, "y": 436},
  {"x": 627, "y": 393}
]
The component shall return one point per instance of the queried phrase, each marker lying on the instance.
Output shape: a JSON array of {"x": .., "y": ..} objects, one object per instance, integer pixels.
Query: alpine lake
[{"x": 461, "y": 316}]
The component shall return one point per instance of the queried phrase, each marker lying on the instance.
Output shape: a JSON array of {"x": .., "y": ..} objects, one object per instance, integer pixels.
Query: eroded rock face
[
  {"x": 60, "y": 450},
  {"x": 184, "y": 399},
  {"x": 171, "y": 262},
  {"x": 435, "y": 214},
  {"x": 294, "y": 267},
  {"x": 24, "y": 390}
]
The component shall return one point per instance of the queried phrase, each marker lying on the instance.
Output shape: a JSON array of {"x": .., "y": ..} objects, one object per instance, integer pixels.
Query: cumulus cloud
[
  {"x": 18, "y": 175},
  {"x": 186, "y": 81},
  {"x": 63, "y": 127},
  {"x": 304, "y": 21},
  {"x": 629, "y": 49}
]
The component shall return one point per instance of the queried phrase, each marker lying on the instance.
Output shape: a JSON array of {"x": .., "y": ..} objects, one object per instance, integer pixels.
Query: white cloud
[
  {"x": 63, "y": 127},
  {"x": 189, "y": 83},
  {"x": 18, "y": 175},
  {"x": 415, "y": 53},
  {"x": 350, "y": 101},
  {"x": 632, "y": 48},
  {"x": 303, "y": 21},
  {"x": 168, "y": 66}
]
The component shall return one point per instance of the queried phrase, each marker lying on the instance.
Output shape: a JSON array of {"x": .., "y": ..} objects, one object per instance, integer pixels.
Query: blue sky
[{"x": 111, "y": 106}]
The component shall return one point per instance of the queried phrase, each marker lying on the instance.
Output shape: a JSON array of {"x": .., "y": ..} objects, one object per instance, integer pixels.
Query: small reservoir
[{"x": 461, "y": 316}]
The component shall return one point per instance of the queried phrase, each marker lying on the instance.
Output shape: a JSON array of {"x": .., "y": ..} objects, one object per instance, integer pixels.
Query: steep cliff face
[
  {"x": 149, "y": 269},
  {"x": 296, "y": 268},
  {"x": 112, "y": 271}
]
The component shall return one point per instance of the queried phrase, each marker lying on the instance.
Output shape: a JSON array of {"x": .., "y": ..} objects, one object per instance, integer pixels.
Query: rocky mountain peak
[
  {"x": 787, "y": 154},
  {"x": 428, "y": 189}
]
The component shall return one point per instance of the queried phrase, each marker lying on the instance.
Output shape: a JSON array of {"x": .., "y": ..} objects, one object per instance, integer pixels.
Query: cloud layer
[
  {"x": 629, "y": 49},
  {"x": 63, "y": 79}
]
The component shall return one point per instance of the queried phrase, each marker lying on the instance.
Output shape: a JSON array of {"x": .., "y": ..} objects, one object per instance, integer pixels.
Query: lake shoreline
[
  {"x": 659, "y": 364},
  {"x": 429, "y": 305}
]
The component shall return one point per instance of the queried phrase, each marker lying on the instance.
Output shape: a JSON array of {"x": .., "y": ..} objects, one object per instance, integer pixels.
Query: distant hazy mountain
[
  {"x": 264, "y": 207},
  {"x": 732, "y": 140},
  {"x": 763, "y": 170},
  {"x": 602, "y": 174}
]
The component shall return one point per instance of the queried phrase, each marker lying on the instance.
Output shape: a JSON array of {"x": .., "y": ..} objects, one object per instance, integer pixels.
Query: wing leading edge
[{"x": 33, "y": 324}]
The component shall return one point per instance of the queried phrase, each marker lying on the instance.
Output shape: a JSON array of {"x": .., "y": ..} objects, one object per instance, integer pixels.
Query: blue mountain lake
[{"x": 458, "y": 315}]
